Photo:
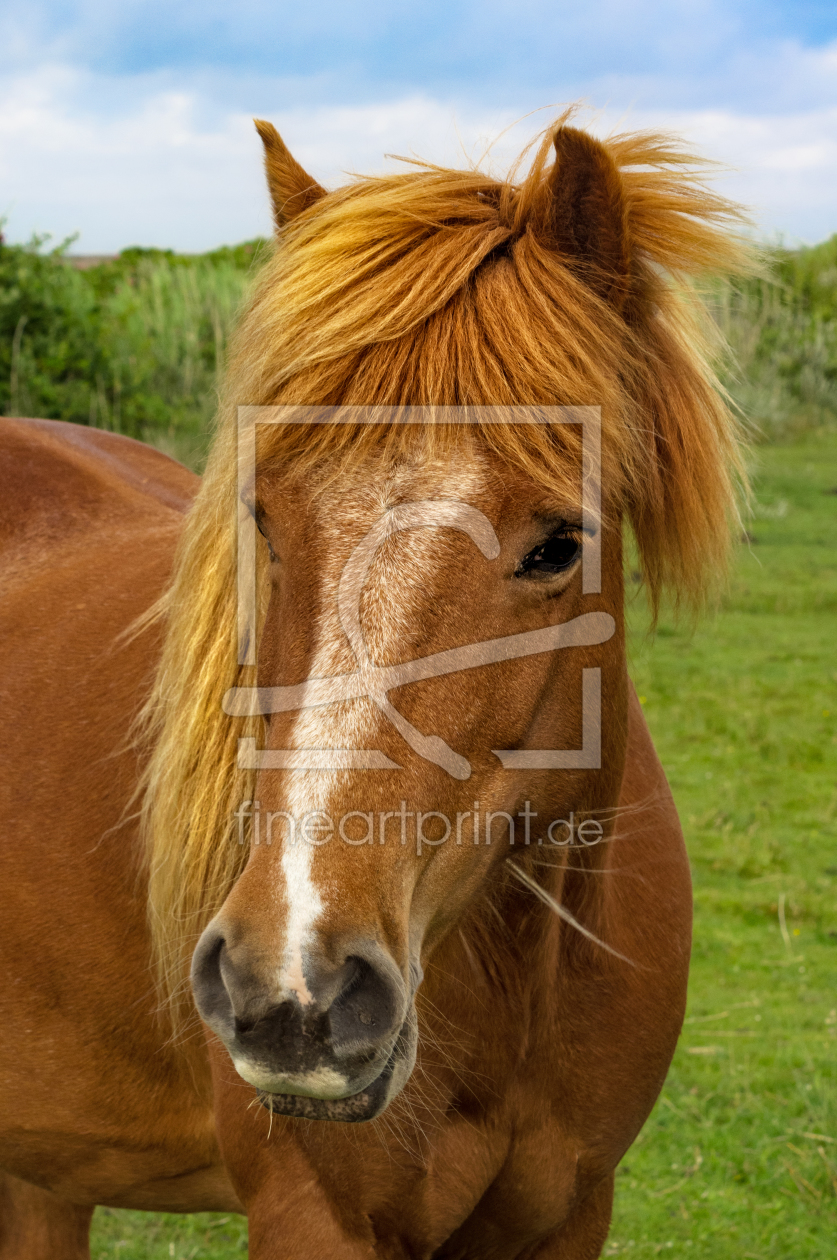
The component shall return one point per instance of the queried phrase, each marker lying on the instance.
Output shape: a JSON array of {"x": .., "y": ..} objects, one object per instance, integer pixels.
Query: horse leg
[
  {"x": 585, "y": 1231},
  {"x": 36, "y": 1225}
]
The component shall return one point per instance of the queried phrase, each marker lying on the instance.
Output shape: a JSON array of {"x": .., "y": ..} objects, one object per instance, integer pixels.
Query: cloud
[
  {"x": 132, "y": 122},
  {"x": 783, "y": 168},
  {"x": 674, "y": 53},
  {"x": 169, "y": 169},
  {"x": 147, "y": 175}
]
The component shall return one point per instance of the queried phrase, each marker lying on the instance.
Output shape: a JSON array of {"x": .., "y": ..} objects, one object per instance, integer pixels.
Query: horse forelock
[{"x": 439, "y": 287}]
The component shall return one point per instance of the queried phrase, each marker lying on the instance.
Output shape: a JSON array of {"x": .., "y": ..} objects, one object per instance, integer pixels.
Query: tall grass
[
  {"x": 170, "y": 327},
  {"x": 783, "y": 335},
  {"x": 137, "y": 344}
]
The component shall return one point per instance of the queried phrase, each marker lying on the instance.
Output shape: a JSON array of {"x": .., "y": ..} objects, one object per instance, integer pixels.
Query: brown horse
[{"x": 468, "y": 968}]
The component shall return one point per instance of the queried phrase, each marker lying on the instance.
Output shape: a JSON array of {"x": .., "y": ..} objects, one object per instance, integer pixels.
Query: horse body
[
  {"x": 422, "y": 1036},
  {"x": 104, "y": 1112}
]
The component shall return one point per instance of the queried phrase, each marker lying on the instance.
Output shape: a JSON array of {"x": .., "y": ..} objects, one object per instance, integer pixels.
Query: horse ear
[
  {"x": 586, "y": 218},
  {"x": 292, "y": 189}
]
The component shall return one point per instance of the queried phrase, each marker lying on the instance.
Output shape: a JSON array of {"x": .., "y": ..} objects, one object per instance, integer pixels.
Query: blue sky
[{"x": 129, "y": 122}]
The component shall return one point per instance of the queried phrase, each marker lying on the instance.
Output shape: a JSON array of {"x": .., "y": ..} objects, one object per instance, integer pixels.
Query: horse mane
[{"x": 442, "y": 287}]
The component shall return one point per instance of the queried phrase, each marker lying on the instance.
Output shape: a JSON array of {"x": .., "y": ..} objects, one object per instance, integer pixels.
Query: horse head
[{"x": 441, "y": 691}]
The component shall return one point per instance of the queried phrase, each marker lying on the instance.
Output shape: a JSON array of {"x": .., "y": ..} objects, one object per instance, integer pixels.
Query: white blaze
[
  {"x": 311, "y": 791},
  {"x": 304, "y": 908}
]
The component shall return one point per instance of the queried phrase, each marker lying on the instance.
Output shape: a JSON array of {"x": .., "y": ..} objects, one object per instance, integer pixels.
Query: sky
[{"x": 131, "y": 123}]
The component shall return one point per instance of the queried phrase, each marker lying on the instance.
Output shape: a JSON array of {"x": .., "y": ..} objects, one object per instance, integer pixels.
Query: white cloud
[
  {"x": 138, "y": 162},
  {"x": 146, "y": 175},
  {"x": 160, "y": 173},
  {"x": 782, "y": 167}
]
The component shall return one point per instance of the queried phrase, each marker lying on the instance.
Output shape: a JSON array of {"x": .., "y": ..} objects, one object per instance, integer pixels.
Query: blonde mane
[{"x": 435, "y": 287}]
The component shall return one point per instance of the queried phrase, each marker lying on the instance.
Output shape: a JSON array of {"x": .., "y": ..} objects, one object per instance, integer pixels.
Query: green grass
[
  {"x": 744, "y": 716},
  {"x": 739, "y": 1158},
  {"x": 783, "y": 341},
  {"x": 153, "y": 1236}
]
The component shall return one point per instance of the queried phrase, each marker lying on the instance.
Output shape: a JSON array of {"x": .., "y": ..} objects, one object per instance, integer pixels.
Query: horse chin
[{"x": 368, "y": 1103}]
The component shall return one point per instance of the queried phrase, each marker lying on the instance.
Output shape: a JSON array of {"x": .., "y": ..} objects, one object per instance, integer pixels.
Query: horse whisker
[{"x": 564, "y": 914}]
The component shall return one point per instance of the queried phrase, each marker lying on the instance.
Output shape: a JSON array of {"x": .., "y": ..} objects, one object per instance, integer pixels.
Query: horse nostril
[
  {"x": 352, "y": 976},
  {"x": 211, "y": 996},
  {"x": 366, "y": 1008}
]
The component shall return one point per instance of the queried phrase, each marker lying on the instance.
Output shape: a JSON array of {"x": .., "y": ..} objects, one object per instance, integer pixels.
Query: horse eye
[
  {"x": 554, "y": 556},
  {"x": 270, "y": 551}
]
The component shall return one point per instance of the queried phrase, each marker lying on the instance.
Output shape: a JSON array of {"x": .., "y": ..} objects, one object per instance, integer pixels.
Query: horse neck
[{"x": 498, "y": 968}]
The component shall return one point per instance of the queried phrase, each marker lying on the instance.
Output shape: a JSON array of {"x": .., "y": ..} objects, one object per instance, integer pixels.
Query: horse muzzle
[{"x": 341, "y": 1050}]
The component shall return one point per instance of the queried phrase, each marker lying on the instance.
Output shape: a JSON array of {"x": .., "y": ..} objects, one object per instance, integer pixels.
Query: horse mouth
[{"x": 366, "y": 1104}]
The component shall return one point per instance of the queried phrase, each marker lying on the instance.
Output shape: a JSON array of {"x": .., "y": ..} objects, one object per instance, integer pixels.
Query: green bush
[
  {"x": 50, "y": 335},
  {"x": 135, "y": 344}
]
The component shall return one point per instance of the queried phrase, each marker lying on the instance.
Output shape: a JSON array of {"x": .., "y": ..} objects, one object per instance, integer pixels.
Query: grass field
[
  {"x": 740, "y": 1156},
  {"x": 739, "y": 1159}
]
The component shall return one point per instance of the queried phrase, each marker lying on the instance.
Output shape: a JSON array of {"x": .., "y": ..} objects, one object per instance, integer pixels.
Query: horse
[{"x": 392, "y": 974}]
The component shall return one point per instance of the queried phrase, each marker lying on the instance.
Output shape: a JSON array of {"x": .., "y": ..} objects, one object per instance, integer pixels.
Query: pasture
[{"x": 739, "y": 1157}]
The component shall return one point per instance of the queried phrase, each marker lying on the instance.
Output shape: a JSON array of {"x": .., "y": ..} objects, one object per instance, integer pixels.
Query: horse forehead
[
  {"x": 363, "y": 498},
  {"x": 411, "y": 569},
  {"x": 347, "y": 503}
]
